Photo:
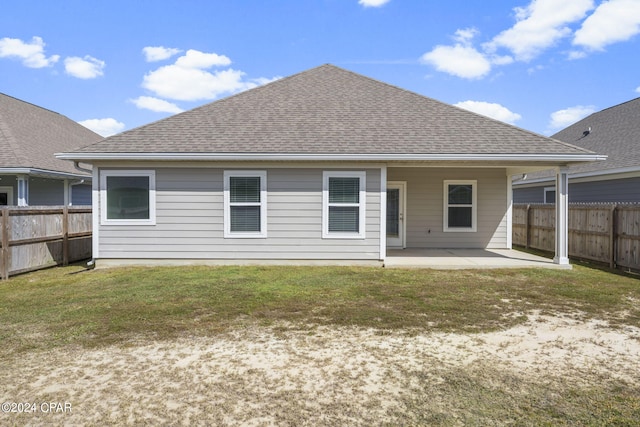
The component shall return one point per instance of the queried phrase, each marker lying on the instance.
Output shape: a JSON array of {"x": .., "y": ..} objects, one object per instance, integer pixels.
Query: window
[
  {"x": 6, "y": 196},
  {"x": 128, "y": 197},
  {"x": 549, "y": 194},
  {"x": 343, "y": 205},
  {"x": 460, "y": 205},
  {"x": 245, "y": 204}
]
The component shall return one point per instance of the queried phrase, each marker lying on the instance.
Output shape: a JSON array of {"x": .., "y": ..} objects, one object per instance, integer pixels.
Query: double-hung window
[
  {"x": 343, "y": 205},
  {"x": 128, "y": 197},
  {"x": 245, "y": 204},
  {"x": 460, "y": 205}
]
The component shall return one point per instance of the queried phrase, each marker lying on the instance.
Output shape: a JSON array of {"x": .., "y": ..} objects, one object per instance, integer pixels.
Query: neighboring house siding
[
  {"x": 46, "y": 192},
  {"x": 189, "y": 220},
  {"x": 626, "y": 190},
  {"x": 425, "y": 204},
  {"x": 615, "y": 190},
  {"x": 529, "y": 195},
  {"x": 81, "y": 195}
]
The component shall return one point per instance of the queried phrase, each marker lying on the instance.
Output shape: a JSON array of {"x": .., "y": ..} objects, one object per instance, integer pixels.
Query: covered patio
[{"x": 447, "y": 259}]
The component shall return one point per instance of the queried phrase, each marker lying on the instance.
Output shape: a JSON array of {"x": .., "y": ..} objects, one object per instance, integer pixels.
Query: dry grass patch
[{"x": 322, "y": 346}]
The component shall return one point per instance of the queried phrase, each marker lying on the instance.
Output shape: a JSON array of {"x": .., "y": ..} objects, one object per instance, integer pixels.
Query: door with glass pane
[{"x": 395, "y": 214}]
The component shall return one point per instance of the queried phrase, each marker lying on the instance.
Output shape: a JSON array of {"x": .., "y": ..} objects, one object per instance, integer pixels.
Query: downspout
[
  {"x": 94, "y": 203},
  {"x": 76, "y": 164}
]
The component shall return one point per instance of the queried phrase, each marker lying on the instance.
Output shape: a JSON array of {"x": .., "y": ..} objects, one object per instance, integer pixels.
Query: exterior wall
[
  {"x": 529, "y": 194},
  {"x": 616, "y": 190},
  {"x": 189, "y": 220},
  {"x": 46, "y": 192},
  {"x": 625, "y": 190},
  {"x": 81, "y": 195},
  {"x": 425, "y": 205}
]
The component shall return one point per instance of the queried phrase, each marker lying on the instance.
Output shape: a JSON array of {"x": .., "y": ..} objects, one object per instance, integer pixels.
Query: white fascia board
[{"x": 555, "y": 158}]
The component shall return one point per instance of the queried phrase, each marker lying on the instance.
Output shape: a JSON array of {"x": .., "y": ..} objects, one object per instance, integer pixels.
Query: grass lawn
[{"x": 65, "y": 308}]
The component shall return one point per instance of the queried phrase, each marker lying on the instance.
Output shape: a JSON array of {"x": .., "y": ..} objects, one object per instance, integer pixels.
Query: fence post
[
  {"x": 4, "y": 252},
  {"x": 65, "y": 236},
  {"x": 613, "y": 229},
  {"x": 527, "y": 223}
]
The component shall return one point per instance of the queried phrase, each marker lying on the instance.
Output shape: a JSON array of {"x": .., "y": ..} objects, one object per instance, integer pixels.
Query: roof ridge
[
  {"x": 459, "y": 108},
  {"x": 219, "y": 100}
]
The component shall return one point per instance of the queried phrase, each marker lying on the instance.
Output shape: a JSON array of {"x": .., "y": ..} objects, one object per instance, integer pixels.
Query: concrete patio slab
[{"x": 453, "y": 259}]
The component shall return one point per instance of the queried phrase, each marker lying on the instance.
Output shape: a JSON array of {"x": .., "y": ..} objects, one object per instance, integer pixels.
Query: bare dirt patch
[{"x": 322, "y": 375}]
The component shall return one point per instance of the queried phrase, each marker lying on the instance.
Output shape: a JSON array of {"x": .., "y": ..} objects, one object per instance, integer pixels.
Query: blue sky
[{"x": 115, "y": 65}]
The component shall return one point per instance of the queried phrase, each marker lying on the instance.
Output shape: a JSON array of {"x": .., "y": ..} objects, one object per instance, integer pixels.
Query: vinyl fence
[
  {"x": 33, "y": 238},
  {"x": 607, "y": 233}
]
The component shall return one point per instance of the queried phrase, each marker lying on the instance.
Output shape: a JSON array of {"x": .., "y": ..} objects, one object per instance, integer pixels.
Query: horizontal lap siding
[
  {"x": 189, "y": 221},
  {"x": 425, "y": 204}
]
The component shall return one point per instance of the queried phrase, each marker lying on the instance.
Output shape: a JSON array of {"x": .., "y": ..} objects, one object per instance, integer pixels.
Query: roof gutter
[
  {"x": 555, "y": 158},
  {"x": 42, "y": 173}
]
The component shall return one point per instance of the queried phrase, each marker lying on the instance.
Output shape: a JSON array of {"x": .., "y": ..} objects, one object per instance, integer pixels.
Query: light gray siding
[
  {"x": 189, "y": 220},
  {"x": 425, "y": 205}
]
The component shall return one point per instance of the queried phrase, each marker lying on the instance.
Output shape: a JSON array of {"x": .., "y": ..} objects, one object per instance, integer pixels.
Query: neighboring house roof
[
  {"x": 614, "y": 131},
  {"x": 31, "y": 135},
  {"x": 329, "y": 113}
]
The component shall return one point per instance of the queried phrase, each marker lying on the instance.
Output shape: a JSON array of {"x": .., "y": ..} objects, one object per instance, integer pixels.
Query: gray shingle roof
[
  {"x": 329, "y": 110},
  {"x": 30, "y": 135},
  {"x": 614, "y": 131}
]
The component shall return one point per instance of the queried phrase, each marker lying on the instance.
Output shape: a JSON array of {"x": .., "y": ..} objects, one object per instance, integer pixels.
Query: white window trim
[
  {"x": 362, "y": 175},
  {"x": 151, "y": 174},
  {"x": 9, "y": 191},
  {"x": 547, "y": 190},
  {"x": 262, "y": 234},
  {"x": 474, "y": 207}
]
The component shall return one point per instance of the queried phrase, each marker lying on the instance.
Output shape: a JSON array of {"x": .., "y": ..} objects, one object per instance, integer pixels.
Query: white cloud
[
  {"x": 104, "y": 127},
  {"x": 84, "y": 68},
  {"x": 196, "y": 59},
  {"x": 613, "y": 21},
  {"x": 372, "y": 3},
  {"x": 539, "y": 26},
  {"x": 157, "y": 105},
  {"x": 31, "y": 54},
  {"x": 159, "y": 53},
  {"x": 191, "y": 84},
  {"x": 495, "y": 111},
  {"x": 459, "y": 60},
  {"x": 188, "y": 79},
  {"x": 638, "y": 89},
  {"x": 563, "y": 118}
]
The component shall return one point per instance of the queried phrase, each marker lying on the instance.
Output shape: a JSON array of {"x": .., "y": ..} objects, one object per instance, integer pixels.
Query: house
[
  {"x": 615, "y": 132},
  {"x": 323, "y": 166},
  {"x": 29, "y": 172}
]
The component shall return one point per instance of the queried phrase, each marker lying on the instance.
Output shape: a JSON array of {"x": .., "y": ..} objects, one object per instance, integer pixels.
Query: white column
[
  {"x": 95, "y": 213},
  {"x": 67, "y": 193},
  {"x": 383, "y": 213},
  {"x": 23, "y": 190},
  {"x": 509, "y": 216},
  {"x": 562, "y": 217}
]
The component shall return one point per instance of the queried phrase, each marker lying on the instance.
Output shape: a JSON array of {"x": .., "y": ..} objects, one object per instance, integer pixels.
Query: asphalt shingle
[
  {"x": 31, "y": 135},
  {"x": 329, "y": 110}
]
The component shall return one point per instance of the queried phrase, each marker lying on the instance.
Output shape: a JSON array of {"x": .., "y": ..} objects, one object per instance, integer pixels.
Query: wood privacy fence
[
  {"x": 607, "y": 233},
  {"x": 33, "y": 238}
]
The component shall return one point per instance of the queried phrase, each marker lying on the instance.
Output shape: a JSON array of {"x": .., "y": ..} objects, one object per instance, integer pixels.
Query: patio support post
[
  {"x": 383, "y": 213},
  {"x": 23, "y": 190},
  {"x": 562, "y": 217}
]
